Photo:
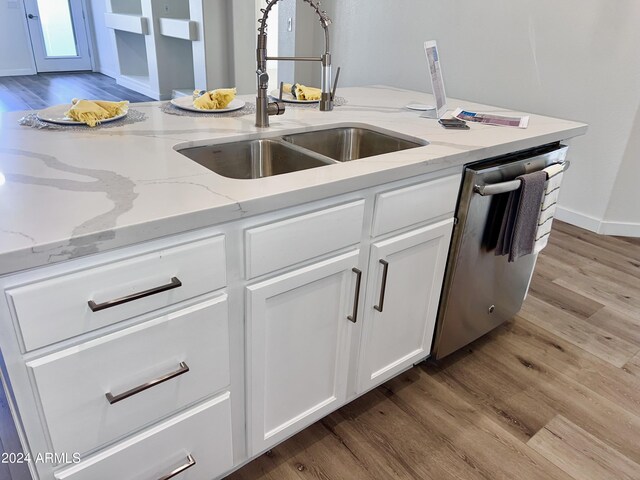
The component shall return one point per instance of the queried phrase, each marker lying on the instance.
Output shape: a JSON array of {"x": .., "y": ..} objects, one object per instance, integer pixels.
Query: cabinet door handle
[
  {"x": 190, "y": 463},
  {"x": 383, "y": 287},
  {"x": 96, "y": 307},
  {"x": 354, "y": 316},
  {"x": 184, "y": 368}
]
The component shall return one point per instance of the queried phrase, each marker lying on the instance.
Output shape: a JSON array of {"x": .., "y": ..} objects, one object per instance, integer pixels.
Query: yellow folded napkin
[
  {"x": 92, "y": 112},
  {"x": 302, "y": 92},
  {"x": 215, "y": 99}
]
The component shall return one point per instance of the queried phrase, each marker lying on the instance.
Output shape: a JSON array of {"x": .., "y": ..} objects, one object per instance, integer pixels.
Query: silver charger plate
[
  {"x": 289, "y": 98},
  {"x": 56, "y": 115},
  {"x": 186, "y": 103}
]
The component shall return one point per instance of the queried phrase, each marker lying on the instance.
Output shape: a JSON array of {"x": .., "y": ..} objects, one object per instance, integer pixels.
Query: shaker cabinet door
[
  {"x": 298, "y": 348},
  {"x": 403, "y": 291}
]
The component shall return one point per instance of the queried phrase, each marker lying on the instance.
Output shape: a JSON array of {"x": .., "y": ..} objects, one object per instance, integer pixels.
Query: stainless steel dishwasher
[{"x": 482, "y": 290}]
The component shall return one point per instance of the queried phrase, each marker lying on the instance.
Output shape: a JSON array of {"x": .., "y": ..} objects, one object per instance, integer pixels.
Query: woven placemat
[
  {"x": 32, "y": 120},
  {"x": 171, "y": 109}
]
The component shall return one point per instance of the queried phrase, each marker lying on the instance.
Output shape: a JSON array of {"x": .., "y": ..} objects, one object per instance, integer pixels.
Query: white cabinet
[
  {"x": 97, "y": 391},
  {"x": 273, "y": 317},
  {"x": 195, "y": 444},
  {"x": 301, "y": 360},
  {"x": 99, "y": 349},
  {"x": 403, "y": 290},
  {"x": 298, "y": 347}
]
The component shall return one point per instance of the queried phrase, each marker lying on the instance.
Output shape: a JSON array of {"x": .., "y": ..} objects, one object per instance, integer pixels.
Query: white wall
[
  {"x": 104, "y": 54},
  {"x": 574, "y": 59},
  {"x": 623, "y": 213},
  {"x": 244, "y": 34},
  {"x": 16, "y": 57}
]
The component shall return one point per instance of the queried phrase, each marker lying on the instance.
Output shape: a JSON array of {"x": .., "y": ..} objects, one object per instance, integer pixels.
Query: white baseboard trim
[
  {"x": 18, "y": 71},
  {"x": 109, "y": 73},
  {"x": 137, "y": 86},
  {"x": 578, "y": 219},
  {"x": 624, "y": 229}
]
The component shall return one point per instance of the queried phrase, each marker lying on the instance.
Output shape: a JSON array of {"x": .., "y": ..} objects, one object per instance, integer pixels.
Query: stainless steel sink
[
  {"x": 350, "y": 143},
  {"x": 254, "y": 158}
]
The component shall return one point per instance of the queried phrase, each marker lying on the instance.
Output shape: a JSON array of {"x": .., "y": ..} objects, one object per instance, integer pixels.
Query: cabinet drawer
[
  {"x": 58, "y": 308},
  {"x": 201, "y": 435},
  {"x": 281, "y": 244},
  {"x": 415, "y": 204},
  {"x": 73, "y": 384}
]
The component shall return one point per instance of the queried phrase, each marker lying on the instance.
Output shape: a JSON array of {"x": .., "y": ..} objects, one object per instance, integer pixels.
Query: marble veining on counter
[{"x": 65, "y": 194}]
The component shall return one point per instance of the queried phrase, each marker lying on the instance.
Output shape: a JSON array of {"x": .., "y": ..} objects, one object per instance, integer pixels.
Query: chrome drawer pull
[
  {"x": 96, "y": 307},
  {"x": 354, "y": 316},
  {"x": 190, "y": 463},
  {"x": 184, "y": 368},
  {"x": 383, "y": 287}
]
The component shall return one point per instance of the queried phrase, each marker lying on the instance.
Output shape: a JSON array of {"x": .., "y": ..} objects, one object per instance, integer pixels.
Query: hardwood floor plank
[
  {"x": 35, "y": 92},
  {"x": 313, "y": 453},
  {"x": 567, "y": 359},
  {"x": 623, "y": 248},
  {"x": 566, "y": 300},
  {"x": 618, "y": 323},
  {"x": 631, "y": 240},
  {"x": 475, "y": 438},
  {"x": 580, "y": 454},
  {"x": 633, "y": 366},
  {"x": 628, "y": 263},
  {"x": 542, "y": 393},
  {"x": 579, "y": 332},
  {"x": 606, "y": 286},
  {"x": 388, "y": 442}
]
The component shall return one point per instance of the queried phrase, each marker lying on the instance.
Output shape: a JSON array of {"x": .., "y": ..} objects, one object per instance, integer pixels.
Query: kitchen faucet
[{"x": 264, "y": 108}]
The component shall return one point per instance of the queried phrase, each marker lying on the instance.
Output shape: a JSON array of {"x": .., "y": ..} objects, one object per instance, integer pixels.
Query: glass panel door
[
  {"x": 58, "y": 35},
  {"x": 57, "y": 28}
]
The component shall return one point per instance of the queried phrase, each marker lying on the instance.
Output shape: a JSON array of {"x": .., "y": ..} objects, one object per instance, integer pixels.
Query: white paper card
[{"x": 435, "y": 74}]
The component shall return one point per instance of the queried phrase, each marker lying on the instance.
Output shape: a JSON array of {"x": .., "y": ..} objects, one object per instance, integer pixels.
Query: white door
[
  {"x": 403, "y": 291},
  {"x": 58, "y": 35},
  {"x": 298, "y": 346}
]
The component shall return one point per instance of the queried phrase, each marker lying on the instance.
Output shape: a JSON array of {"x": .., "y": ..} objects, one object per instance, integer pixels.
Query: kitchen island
[{"x": 146, "y": 296}]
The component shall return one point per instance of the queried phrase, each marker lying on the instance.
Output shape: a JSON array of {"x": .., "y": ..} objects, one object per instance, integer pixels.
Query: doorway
[{"x": 58, "y": 35}]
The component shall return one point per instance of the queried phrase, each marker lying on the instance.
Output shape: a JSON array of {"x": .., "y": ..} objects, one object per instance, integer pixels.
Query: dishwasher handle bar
[{"x": 504, "y": 187}]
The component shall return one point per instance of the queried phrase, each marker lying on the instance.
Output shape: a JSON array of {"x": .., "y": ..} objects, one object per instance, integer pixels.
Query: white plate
[
  {"x": 289, "y": 98},
  {"x": 186, "y": 103},
  {"x": 56, "y": 115},
  {"x": 420, "y": 107}
]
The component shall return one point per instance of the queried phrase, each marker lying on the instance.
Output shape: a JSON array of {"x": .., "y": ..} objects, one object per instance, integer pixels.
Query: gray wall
[{"x": 575, "y": 59}]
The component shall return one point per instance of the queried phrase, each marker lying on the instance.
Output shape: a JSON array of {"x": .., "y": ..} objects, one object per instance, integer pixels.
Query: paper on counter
[{"x": 491, "y": 119}]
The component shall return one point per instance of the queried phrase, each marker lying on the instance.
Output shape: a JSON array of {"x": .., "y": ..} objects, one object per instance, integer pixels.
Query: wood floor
[
  {"x": 552, "y": 394},
  {"x": 33, "y": 92}
]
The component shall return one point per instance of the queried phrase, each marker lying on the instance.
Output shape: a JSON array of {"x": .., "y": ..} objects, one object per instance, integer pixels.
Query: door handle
[
  {"x": 383, "y": 287},
  {"x": 190, "y": 463},
  {"x": 184, "y": 368},
  {"x": 96, "y": 307},
  {"x": 31, "y": 16},
  {"x": 354, "y": 316}
]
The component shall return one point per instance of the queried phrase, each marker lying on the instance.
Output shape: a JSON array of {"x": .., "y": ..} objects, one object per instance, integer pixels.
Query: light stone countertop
[{"x": 65, "y": 194}]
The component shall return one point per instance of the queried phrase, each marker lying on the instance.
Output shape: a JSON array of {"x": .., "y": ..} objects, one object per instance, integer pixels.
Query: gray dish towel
[{"x": 518, "y": 229}]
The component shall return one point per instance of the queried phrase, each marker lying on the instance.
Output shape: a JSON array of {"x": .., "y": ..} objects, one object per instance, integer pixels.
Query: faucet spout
[{"x": 263, "y": 108}]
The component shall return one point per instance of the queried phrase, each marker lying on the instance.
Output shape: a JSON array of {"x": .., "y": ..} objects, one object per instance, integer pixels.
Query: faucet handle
[
  {"x": 263, "y": 79},
  {"x": 335, "y": 85}
]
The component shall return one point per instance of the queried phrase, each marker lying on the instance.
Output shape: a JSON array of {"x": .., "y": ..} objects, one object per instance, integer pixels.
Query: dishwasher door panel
[{"x": 482, "y": 290}]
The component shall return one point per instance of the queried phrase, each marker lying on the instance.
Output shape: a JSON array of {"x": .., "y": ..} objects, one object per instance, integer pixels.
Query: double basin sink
[{"x": 250, "y": 159}]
